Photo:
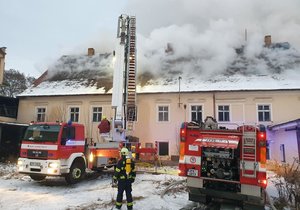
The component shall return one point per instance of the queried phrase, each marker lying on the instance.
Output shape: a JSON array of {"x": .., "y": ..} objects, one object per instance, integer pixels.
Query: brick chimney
[
  {"x": 2, "y": 58},
  {"x": 169, "y": 49},
  {"x": 91, "y": 51},
  {"x": 268, "y": 41}
]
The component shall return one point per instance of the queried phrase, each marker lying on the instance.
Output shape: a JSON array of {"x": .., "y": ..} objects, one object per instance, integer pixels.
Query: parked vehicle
[
  {"x": 224, "y": 162},
  {"x": 60, "y": 149}
]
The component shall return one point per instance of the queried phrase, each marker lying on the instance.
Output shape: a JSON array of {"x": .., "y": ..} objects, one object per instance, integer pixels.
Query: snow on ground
[
  {"x": 19, "y": 192},
  {"x": 271, "y": 189}
]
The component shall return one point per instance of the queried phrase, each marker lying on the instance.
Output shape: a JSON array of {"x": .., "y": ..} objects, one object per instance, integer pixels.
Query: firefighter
[
  {"x": 104, "y": 128},
  {"x": 124, "y": 176}
]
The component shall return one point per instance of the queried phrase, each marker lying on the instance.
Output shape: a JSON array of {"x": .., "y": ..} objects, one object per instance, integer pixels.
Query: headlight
[
  {"x": 20, "y": 162},
  {"x": 20, "y": 165},
  {"x": 53, "y": 165}
]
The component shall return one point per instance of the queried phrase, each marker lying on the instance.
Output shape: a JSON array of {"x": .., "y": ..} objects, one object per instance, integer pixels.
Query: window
[
  {"x": 68, "y": 133},
  {"x": 149, "y": 145},
  {"x": 163, "y": 148},
  {"x": 196, "y": 113},
  {"x": 223, "y": 111},
  {"x": 264, "y": 113},
  {"x": 163, "y": 113},
  {"x": 74, "y": 114},
  {"x": 282, "y": 153},
  {"x": 97, "y": 114},
  {"x": 41, "y": 114}
]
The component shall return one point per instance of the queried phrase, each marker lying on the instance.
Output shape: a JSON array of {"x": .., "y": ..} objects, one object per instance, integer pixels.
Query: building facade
[
  {"x": 284, "y": 141},
  {"x": 160, "y": 114}
]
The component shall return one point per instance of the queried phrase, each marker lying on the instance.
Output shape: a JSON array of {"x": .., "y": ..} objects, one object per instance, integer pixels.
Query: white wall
[{"x": 289, "y": 139}]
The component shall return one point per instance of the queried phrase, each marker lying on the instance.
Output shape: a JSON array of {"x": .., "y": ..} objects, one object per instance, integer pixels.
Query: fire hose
[{"x": 171, "y": 185}]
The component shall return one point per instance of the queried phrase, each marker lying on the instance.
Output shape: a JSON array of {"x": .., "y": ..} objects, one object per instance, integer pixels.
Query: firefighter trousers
[{"x": 124, "y": 185}]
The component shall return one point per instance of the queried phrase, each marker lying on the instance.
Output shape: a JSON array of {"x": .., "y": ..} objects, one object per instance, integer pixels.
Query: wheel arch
[{"x": 76, "y": 157}]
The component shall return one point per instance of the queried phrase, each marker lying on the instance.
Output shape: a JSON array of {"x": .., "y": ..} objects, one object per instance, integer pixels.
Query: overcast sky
[{"x": 36, "y": 32}]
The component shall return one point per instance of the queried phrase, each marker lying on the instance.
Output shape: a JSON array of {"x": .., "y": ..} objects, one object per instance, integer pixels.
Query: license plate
[
  {"x": 35, "y": 164},
  {"x": 192, "y": 172}
]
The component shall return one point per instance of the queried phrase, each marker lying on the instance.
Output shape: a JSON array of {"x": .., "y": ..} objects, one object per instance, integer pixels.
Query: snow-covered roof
[
  {"x": 273, "y": 68},
  {"x": 285, "y": 125}
]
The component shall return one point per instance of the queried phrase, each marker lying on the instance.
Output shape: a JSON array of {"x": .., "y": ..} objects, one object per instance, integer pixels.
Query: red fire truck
[
  {"x": 60, "y": 149},
  {"x": 224, "y": 163}
]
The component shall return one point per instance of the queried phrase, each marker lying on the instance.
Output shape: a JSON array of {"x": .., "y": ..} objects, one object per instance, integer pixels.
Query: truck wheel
[
  {"x": 37, "y": 177},
  {"x": 77, "y": 172}
]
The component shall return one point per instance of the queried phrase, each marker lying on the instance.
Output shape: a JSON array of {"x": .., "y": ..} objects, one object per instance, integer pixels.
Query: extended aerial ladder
[{"x": 124, "y": 79}]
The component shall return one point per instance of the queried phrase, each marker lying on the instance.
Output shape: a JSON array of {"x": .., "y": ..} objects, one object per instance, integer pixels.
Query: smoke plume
[{"x": 205, "y": 38}]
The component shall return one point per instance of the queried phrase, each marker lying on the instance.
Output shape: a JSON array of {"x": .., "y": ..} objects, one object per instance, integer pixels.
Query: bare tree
[{"x": 14, "y": 83}]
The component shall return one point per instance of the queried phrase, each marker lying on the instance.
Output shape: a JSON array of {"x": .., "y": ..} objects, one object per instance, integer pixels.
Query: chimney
[
  {"x": 169, "y": 49},
  {"x": 268, "y": 41},
  {"x": 91, "y": 51},
  {"x": 2, "y": 58}
]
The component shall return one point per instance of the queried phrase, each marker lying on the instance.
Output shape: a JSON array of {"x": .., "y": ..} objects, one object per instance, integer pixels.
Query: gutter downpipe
[{"x": 214, "y": 105}]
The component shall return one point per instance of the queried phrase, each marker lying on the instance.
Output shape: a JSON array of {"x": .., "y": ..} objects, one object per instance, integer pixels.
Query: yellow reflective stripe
[
  {"x": 130, "y": 204},
  {"x": 114, "y": 177},
  {"x": 118, "y": 170},
  {"x": 118, "y": 204},
  {"x": 122, "y": 177}
]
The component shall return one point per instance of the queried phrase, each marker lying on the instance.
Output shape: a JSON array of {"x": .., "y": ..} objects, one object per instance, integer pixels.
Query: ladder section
[
  {"x": 131, "y": 72},
  {"x": 249, "y": 160}
]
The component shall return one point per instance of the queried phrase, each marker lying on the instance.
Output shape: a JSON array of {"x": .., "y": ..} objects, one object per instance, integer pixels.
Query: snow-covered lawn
[{"x": 21, "y": 193}]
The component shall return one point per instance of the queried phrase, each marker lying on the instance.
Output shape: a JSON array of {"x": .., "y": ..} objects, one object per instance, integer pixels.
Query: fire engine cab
[
  {"x": 224, "y": 163},
  {"x": 60, "y": 149}
]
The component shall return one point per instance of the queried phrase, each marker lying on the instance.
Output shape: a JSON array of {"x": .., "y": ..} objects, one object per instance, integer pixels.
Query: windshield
[{"x": 42, "y": 132}]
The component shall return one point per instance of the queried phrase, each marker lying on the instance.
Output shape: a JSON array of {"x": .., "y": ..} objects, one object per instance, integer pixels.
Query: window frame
[
  {"x": 157, "y": 113},
  {"x": 190, "y": 111},
  {"x": 264, "y": 111},
  {"x": 158, "y": 148},
  {"x": 223, "y": 111},
  {"x": 70, "y": 113},
  {"x": 149, "y": 145},
  {"x": 97, "y": 113},
  {"x": 37, "y": 113},
  {"x": 282, "y": 153}
]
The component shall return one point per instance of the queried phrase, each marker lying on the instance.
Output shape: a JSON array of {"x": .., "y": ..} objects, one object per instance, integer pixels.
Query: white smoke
[
  {"x": 204, "y": 36},
  {"x": 94, "y": 66}
]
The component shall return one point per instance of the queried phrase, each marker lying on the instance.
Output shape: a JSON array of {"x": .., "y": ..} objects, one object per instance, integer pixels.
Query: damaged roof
[{"x": 275, "y": 68}]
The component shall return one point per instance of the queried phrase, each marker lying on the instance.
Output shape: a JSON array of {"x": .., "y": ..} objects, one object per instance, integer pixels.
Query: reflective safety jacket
[{"x": 125, "y": 169}]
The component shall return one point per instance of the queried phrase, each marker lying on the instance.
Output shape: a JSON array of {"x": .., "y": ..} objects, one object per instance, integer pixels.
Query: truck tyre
[
  {"x": 37, "y": 177},
  {"x": 77, "y": 172}
]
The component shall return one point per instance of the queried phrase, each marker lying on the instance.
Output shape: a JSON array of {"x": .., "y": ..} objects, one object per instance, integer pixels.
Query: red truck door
[{"x": 71, "y": 140}]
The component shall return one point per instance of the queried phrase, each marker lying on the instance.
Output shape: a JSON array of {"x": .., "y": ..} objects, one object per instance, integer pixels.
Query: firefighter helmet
[{"x": 124, "y": 151}]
